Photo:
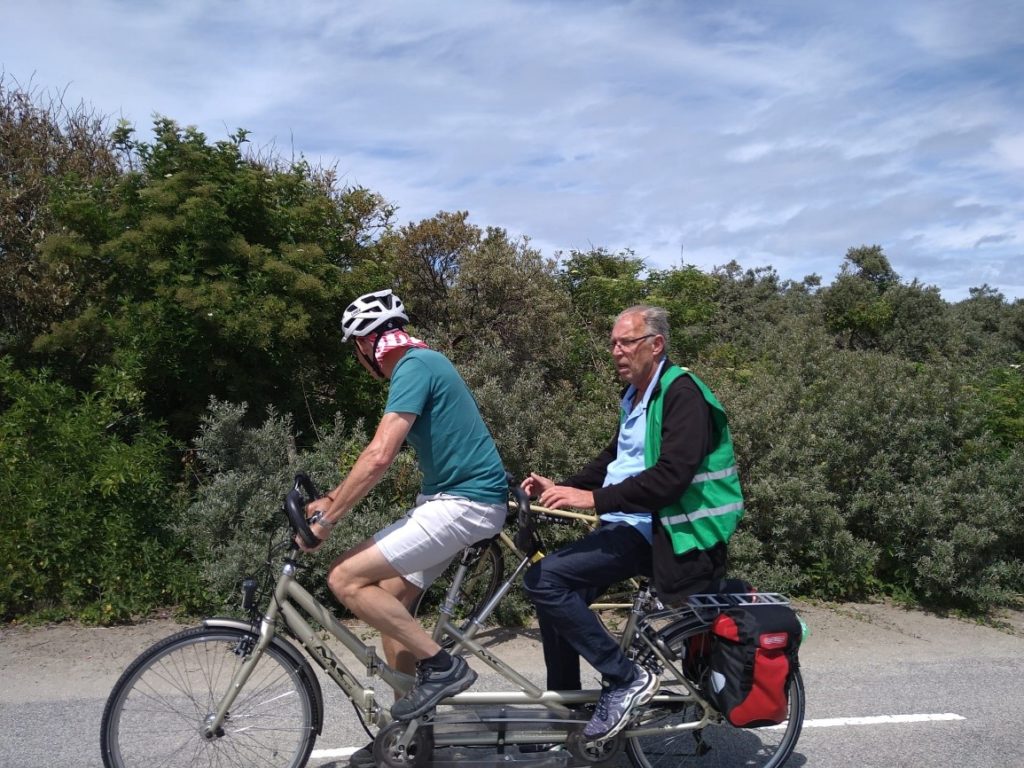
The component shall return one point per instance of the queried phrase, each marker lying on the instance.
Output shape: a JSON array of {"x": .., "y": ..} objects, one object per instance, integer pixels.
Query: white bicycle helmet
[{"x": 380, "y": 310}]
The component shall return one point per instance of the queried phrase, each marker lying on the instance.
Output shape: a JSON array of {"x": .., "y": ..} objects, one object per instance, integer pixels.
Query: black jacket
[{"x": 686, "y": 438}]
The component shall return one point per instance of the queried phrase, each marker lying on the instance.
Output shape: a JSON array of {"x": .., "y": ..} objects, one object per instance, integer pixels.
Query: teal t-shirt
[{"x": 456, "y": 452}]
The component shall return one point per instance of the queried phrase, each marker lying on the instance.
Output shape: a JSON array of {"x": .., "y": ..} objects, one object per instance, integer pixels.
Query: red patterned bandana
[{"x": 396, "y": 339}]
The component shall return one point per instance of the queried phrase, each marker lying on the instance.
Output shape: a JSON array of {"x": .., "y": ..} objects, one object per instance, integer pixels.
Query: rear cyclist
[{"x": 667, "y": 491}]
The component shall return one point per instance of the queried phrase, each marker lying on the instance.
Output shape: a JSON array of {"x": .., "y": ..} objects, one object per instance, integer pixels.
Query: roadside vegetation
[{"x": 169, "y": 358}]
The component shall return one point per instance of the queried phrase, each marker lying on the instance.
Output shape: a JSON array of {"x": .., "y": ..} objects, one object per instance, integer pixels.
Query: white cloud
[
  {"x": 781, "y": 133},
  {"x": 1010, "y": 149}
]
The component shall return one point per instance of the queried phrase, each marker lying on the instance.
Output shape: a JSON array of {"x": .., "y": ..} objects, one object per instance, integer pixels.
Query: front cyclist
[{"x": 463, "y": 499}]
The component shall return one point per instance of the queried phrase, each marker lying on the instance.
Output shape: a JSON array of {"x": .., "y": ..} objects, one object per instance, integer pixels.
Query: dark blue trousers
[{"x": 563, "y": 584}]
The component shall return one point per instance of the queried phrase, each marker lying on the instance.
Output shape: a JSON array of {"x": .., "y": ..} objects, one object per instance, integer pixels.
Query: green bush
[
  {"x": 87, "y": 491},
  {"x": 868, "y": 473},
  {"x": 220, "y": 274},
  {"x": 242, "y": 475}
]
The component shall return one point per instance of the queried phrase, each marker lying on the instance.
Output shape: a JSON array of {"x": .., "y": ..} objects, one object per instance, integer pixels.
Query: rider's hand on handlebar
[
  {"x": 535, "y": 484},
  {"x": 562, "y": 496},
  {"x": 556, "y": 496},
  {"x": 322, "y": 532}
]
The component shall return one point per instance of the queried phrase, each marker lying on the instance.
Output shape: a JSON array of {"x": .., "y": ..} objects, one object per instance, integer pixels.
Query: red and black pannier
[
  {"x": 697, "y": 652},
  {"x": 754, "y": 653}
]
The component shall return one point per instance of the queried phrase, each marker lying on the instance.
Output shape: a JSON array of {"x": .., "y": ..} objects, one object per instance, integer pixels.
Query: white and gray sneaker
[{"x": 616, "y": 704}]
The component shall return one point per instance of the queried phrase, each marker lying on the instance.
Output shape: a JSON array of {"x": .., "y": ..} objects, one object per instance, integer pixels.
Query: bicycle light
[{"x": 248, "y": 593}]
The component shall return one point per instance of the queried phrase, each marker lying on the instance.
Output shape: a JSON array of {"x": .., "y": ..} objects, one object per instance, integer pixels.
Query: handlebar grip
[
  {"x": 553, "y": 519},
  {"x": 295, "y": 508},
  {"x": 306, "y": 483}
]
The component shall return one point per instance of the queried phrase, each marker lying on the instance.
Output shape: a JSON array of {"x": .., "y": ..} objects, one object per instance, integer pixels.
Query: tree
[
  {"x": 689, "y": 296},
  {"x": 41, "y": 139},
  {"x": 750, "y": 306},
  {"x": 425, "y": 259},
  {"x": 216, "y": 274},
  {"x": 868, "y": 307},
  {"x": 983, "y": 323},
  {"x": 854, "y": 305},
  {"x": 601, "y": 284},
  {"x": 507, "y": 294},
  {"x": 873, "y": 266},
  {"x": 921, "y": 326}
]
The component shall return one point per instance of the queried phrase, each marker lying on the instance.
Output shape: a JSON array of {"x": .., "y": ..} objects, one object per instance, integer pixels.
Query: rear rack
[
  {"x": 729, "y": 599},
  {"x": 709, "y": 606},
  {"x": 704, "y": 608}
]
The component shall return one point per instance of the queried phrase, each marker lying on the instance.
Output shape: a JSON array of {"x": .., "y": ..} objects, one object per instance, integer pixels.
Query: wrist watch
[{"x": 319, "y": 519}]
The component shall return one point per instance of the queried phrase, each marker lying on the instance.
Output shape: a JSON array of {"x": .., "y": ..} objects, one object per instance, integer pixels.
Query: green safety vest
[{"x": 711, "y": 507}]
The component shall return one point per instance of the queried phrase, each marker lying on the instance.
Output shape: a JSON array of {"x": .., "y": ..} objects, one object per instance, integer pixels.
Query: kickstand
[{"x": 702, "y": 747}]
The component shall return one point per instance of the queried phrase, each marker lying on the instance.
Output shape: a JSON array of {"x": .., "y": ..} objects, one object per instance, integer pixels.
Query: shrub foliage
[{"x": 170, "y": 360}]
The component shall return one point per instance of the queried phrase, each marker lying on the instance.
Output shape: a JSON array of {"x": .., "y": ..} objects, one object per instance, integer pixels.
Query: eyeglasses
[{"x": 627, "y": 344}]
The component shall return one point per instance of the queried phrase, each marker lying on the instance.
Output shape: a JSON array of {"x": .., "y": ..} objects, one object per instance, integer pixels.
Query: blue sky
[{"x": 768, "y": 132}]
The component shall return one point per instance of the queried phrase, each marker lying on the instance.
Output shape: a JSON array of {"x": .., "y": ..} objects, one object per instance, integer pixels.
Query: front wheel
[
  {"x": 157, "y": 711},
  {"x": 718, "y": 744}
]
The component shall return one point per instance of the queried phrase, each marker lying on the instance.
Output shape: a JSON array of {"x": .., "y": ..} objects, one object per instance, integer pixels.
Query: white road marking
[
  {"x": 831, "y": 722},
  {"x": 319, "y": 754}
]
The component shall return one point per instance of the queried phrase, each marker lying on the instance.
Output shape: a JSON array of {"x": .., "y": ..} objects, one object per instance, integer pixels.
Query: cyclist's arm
[{"x": 371, "y": 465}]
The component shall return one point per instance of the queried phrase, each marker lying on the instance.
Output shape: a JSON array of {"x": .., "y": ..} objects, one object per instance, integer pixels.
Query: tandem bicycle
[{"x": 235, "y": 692}]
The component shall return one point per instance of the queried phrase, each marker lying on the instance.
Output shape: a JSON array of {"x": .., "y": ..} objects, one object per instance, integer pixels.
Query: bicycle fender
[{"x": 224, "y": 622}]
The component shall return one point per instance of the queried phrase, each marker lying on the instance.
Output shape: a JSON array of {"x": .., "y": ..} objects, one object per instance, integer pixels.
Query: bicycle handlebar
[
  {"x": 522, "y": 505},
  {"x": 294, "y": 508},
  {"x": 303, "y": 491},
  {"x": 558, "y": 516}
]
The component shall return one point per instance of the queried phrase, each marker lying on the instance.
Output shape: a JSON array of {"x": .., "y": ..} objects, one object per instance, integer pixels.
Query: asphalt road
[{"x": 885, "y": 687}]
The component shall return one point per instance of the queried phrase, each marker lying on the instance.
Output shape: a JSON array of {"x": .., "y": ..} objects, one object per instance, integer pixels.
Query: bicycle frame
[
  {"x": 563, "y": 516},
  {"x": 287, "y": 594},
  {"x": 639, "y": 629},
  {"x": 290, "y": 600},
  {"x": 280, "y": 704}
]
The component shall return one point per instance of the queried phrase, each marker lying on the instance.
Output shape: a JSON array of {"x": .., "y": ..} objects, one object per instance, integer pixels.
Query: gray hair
[{"x": 655, "y": 319}]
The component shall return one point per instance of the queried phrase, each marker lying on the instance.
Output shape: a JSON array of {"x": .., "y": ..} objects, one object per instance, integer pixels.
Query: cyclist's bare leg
[
  {"x": 356, "y": 579},
  {"x": 396, "y": 653}
]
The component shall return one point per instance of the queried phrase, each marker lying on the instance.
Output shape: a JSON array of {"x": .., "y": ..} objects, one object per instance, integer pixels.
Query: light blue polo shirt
[{"x": 629, "y": 456}]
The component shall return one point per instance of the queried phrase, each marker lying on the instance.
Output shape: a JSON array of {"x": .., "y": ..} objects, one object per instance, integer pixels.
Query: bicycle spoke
[{"x": 158, "y": 712}]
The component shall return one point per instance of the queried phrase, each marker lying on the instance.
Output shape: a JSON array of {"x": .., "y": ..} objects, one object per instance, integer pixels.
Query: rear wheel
[
  {"x": 157, "y": 711},
  {"x": 718, "y": 744}
]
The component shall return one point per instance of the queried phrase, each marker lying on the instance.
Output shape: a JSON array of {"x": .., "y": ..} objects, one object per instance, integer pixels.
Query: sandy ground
[{"x": 40, "y": 663}]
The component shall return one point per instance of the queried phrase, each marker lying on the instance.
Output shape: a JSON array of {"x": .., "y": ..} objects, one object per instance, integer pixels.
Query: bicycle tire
[
  {"x": 723, "y": 744},
  {"x": 156, "y": 711},
  {"x": 479, "y": 585}
]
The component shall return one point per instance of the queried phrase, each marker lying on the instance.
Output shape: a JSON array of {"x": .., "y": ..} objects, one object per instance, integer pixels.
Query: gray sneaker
[
  {"x": 432, "y": 686},
  {"x": 616, "y": 704}
]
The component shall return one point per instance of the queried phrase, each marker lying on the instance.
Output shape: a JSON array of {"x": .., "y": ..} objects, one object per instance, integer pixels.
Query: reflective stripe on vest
[
  {"x": 698, "y": 514},
  {"x": 715, "y": 475}
]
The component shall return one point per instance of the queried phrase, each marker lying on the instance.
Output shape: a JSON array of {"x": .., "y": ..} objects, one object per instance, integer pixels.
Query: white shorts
[{"x": 424, "y": 541}]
